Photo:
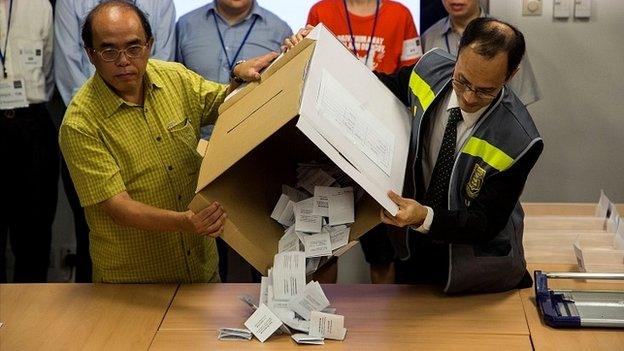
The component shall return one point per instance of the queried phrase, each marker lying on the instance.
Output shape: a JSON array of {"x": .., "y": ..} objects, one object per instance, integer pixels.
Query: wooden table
[
  {"x": 563, "y": 208},
  {"x": 81, "y": 316},
  {"x": 381, "y": 316},
  {"x": 548, "y": 338}
]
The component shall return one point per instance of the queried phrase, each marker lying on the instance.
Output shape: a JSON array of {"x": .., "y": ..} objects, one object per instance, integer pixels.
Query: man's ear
[
  {"x": 512, "y": 75},
  {"x": 91, "y": 54}
]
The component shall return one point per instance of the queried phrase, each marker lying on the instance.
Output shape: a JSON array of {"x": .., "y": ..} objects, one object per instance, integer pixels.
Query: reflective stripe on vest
[
  {"x": 489, "y": 153},
  {"x": 421, "y": 90}
]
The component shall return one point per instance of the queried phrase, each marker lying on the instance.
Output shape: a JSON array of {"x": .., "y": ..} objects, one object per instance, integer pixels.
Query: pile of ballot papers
[
  {"x": 315, "y": 218},
  {"x": 287, "y": 305},
  {"x": 316, "y": 215}
]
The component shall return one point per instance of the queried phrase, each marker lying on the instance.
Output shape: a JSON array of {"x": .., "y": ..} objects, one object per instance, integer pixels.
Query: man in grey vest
[{"x": 473, "y": 146}]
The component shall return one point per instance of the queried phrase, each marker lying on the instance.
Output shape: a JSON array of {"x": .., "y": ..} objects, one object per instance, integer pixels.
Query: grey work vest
[{"x": 503, "y": 134}]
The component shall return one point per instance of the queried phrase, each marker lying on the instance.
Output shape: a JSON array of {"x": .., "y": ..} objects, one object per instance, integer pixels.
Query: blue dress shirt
[
  {"x": 199, "y": 47},
  {"x": 71, "y": 63}
]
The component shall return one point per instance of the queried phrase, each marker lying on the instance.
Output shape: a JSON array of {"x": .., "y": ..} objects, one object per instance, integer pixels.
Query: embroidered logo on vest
[{"x": 476, "y": 180}]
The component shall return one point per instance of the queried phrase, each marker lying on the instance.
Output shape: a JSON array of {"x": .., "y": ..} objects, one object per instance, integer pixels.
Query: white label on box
[
  {"x": 263, "y": 323},
  {"x": 12, "y": 94},
  {"x": 329, "y": 326},
  {"x": 305, "y": 221},
  {"x": 345, "y": 112}
]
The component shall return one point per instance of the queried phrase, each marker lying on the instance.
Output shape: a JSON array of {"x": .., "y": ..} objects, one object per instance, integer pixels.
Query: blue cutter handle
[{"x": 547, "y": 302}]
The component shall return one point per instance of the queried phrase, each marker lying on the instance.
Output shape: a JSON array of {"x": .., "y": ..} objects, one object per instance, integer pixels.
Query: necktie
[{"x": 437, "y": 193}]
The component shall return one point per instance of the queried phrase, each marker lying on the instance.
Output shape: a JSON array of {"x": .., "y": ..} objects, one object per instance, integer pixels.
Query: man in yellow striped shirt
[{"x": 129, "y": 138}]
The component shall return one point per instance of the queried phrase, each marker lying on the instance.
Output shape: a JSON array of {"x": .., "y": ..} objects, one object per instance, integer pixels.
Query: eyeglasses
[
  {"x": 111, "y": 54},
  {"x": 462, "y": 87}
]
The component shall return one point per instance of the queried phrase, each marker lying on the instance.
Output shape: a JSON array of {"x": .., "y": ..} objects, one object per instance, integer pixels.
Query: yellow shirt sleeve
[
  {"x": 210, "y": 96},
  {"x": 93, "y": 170}
]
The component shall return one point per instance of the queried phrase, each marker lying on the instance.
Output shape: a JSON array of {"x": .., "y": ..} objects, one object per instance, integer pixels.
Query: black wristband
[{"x": 234, "y": 77}]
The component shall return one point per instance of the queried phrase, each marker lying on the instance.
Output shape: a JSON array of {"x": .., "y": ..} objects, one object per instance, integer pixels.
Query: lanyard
[
  {"x": 6, "y": 39},
  {"x": 227, "y": 57},
  {"x": 370, "y": 43}
]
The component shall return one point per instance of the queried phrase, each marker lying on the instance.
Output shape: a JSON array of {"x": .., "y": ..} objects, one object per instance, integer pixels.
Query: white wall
[
  {"x": 579, "y": 66},
  {"x": 294, "y": 12}
]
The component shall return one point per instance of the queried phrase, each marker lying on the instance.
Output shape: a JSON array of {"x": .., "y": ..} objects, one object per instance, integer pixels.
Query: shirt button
[
  {"x": 179, "y": 197},
  {"x": 188, "y": 252},
  {"x": 170, "y": 167},
  {"x": 158, "y": 138}
]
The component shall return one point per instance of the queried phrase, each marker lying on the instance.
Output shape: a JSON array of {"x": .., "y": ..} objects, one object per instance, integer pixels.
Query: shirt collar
[
  {"x": 111, "y": 101},
  {"x": 255, "y": 10},
  {"x": 470, "y": 118}
]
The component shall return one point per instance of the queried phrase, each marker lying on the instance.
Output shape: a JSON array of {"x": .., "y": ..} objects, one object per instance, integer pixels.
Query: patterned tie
[{"x": 437, "y": 193}]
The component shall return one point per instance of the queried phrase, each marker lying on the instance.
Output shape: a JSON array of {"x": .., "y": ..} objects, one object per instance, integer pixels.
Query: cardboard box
[{"x": 268, "y": 127}]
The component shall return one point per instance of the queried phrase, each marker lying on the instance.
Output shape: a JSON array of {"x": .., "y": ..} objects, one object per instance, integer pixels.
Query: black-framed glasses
[
  {"x": 462, "y": 87},
  {"x": 112, "y": 54}
]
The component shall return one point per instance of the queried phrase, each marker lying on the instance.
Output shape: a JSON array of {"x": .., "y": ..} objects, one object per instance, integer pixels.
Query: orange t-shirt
[{"x": 395, "y": 42}]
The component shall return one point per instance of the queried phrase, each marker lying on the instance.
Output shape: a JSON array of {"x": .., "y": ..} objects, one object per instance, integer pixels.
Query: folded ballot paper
[{"x": 289, "y": 305}]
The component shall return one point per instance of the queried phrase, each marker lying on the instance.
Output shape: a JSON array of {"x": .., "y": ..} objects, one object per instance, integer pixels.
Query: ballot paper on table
[
  {"x": 234, "y": 334},
  {"x": 289, "y": 318},
  {"x": 329, "y": 326},
  {"x": 289, "y": 241},
  {"x": 318, "y": 245},
  {"x": 307, "y": 339},
  {"x": 263, "y": 323},
  {"x": 312, "y": 298},
  {"x": 264, "y": 291},
  {"x": 603, "y": 205},
  {"x": 288, "y": 274},
  {"x": 305, "y": 221},
  {"x": 614, "y": 218}
]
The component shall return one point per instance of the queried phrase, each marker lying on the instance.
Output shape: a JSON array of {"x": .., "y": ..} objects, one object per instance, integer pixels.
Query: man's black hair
[
  {"x": 491, "y": 37},
  {"x": 87, "y": 29}
]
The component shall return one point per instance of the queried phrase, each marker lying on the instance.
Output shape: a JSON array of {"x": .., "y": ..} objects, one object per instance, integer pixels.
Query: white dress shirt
[
  {"x": 31, "y": 30},
  {"x": 432, "y": 141}
]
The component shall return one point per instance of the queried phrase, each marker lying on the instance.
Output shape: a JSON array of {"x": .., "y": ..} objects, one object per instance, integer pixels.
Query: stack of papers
[
  {"x": 234, "y": 334},
  {"x": 316, "y": 215},
  {"x": 287, "y": 303}
]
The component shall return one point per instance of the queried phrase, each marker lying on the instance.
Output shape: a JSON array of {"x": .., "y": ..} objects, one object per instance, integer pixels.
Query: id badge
[
  {"x": 12, "y": 94},
  {"x": 32, "y": 57}
]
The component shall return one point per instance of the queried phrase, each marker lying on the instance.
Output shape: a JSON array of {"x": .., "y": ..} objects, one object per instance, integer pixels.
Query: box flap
[{"x": 267, "y": 107}]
